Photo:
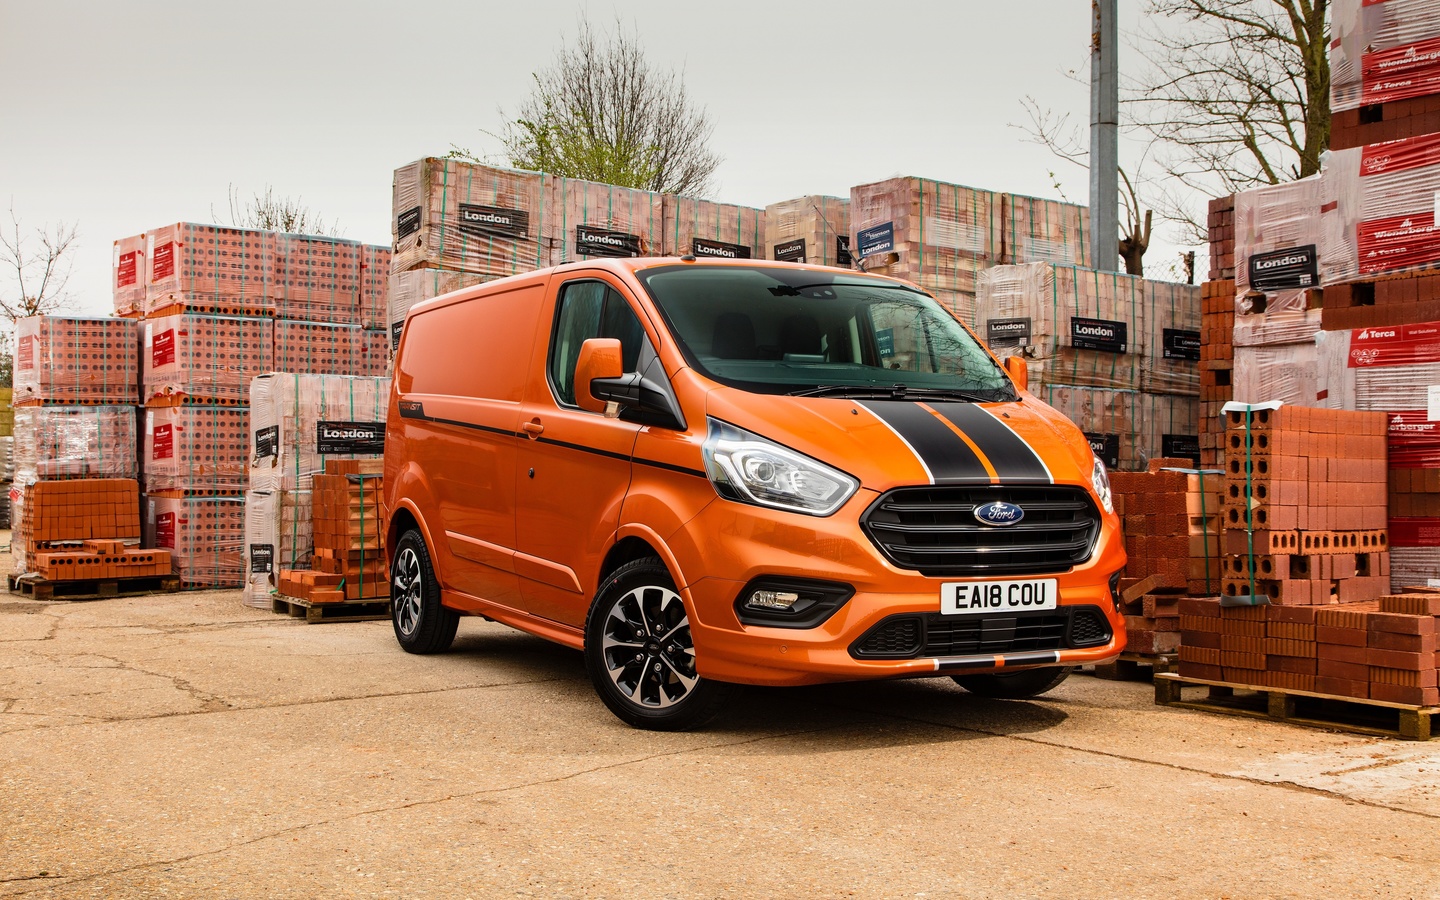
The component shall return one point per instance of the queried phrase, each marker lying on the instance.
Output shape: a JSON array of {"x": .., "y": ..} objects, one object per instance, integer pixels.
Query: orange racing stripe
[{"x": 979, "y": 454}]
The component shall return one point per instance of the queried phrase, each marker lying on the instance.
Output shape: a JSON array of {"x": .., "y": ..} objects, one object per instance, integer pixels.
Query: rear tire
[
  {"x": 422, "y": 624},
  {"x": 639, "y": 654},
  {"x": 1020, "y": 685}
]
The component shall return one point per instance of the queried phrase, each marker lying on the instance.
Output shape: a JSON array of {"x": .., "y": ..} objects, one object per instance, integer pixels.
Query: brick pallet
[
  {"x": 349, "y": 541},
  {"x": 1172, "y": 523},
  {"x": 1217, "y": 361},
  {"x": 82, "y": 529},
  {"x": 812, "y": 229},
  {"x": 62, "y": 360}
]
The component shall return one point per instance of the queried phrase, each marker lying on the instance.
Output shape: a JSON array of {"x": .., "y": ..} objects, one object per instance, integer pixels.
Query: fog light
[{"x": 772, "y": 600}]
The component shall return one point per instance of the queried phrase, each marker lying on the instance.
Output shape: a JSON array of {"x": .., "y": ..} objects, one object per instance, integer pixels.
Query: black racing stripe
[
  {"x": 654, "y": 463},
  {"x": 948, "y": 457},
  {"x": 608, "y": 454},
  {"x": 1013, "y": 459}
]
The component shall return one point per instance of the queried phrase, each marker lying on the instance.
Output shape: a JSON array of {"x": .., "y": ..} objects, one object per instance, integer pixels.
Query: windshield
[{"x": 779, "y": 330}]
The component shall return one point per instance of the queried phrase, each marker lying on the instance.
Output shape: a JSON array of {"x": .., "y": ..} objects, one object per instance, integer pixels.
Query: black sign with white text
[
  {"x": 350, "y": 437},
  {"x": 1180, "y": 344},
  {"x": 1008, "y": 332},
  {"x": 1181, "y": 446},
  {"x": 1106, "y": 447},
  {"x": 791, "y": 251},
  {"x": 1099, "y": 334},
  {"x": 591, "y": 241},
  {"x": 718, "y": 249},
  {"x": 407, "y": 223},
  {"x": 262, "y": 559},
  {"x": 493, "y": 221},
  {"x": 267, "y": 442},
  {"x": 880, "y": 239},
  {"x": 1279, "y": 270}
]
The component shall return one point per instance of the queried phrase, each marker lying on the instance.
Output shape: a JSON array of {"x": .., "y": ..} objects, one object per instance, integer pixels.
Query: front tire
[
  {"x": 1020, "y": 685},
  {"x": 639, "y": 654},
  {"x": 422, "y": 623}
]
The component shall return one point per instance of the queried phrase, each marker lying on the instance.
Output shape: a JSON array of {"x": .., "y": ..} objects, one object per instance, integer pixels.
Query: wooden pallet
[
  {"x": 32, "y": 585},
  {"x": 349, "y": 610},
  {"x": 1373, "y": 717},
  {"x": 1130, "y": 665}
]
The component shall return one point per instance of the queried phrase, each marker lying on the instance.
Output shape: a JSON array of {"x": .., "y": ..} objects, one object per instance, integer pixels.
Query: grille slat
[
  {"x": 933, "y": 529},
  {"x": 910, "y": 635}
]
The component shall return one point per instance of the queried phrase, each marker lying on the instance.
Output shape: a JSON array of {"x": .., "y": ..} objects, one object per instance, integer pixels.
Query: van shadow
[{"x": 850, "y": 715}]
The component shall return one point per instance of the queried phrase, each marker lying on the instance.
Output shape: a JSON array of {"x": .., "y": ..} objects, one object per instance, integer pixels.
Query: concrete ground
[{"x": 186, "y": 746}]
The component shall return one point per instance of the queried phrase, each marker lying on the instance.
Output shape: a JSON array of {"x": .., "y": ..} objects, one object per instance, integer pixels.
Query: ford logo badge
[{"x": 999, "y": 513}]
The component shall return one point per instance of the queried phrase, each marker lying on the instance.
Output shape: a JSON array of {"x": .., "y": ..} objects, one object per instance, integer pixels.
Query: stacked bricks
[
  {"x": 463, "y": 217},
  {"x": 1217, "y": 360},
  {"x": 586, "y": 219},
  {"x": 128, "y": 275},
  {"x": 1033, "y": 229},
  {"x": 62, "y": 360},
  {"x": 812, "y": 229},
  {"x": 1304, "y": 506},
  {"x": 196, "y": 450},
  {"x": 317, "y": 279},
  {"x": 82, "y": 529},
  {"x": 709, "y": 230},
  {"x": 1152, "y": 623},
  {"x": 204, "y": 359},
  {"x": 210, "y": 268},
  {"x": 349, "y": 539},
  {"x": 1172, "y": 525},
  {"x": 1221, "y": 222},
  {"x": 1126, "y": 429},
  {"x": 1381, "y": 649},
  {"x": 323, "y": 348},
  {"x": 59, "y": 442},
  {"x": 1384, "y": 72},
  {"x": 204, "y": 535}
]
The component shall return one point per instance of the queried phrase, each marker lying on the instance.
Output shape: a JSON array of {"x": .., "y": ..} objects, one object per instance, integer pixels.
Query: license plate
[{"x": 958, "y": 598}]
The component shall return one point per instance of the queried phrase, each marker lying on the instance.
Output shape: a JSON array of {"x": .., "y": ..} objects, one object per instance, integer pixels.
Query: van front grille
[
  {"x": 915, "y": 635},
  {"x": 933, "y": 529}
]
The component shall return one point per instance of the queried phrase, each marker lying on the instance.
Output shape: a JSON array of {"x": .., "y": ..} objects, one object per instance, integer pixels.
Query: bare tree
[
  {"x": 1056, "y": 134},
  {"x": 38, "y": 273},
  {"x": 268, "y": 212},
  {"x": 1238, "y": 91},
  {"x": 603, "y": 112}
]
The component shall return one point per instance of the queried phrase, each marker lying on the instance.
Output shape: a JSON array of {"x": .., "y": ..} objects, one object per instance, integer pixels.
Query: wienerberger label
[
  {"x": 262, "y": 559},
  {"x": 791, "y": 251},
  {"x": 1008, "y": 332},
  {"x": 1288, "y": 269},
  {"x": 350, "y": 437},
  {"x": 590, "y": 241},
  {"x": 165, "y": 531},
  {"x": 1099, "y": 334},
  {"x": 1395, "y": 345},
  {"x": 125, "y": 267},
  {"x": 493, "y": 221},
  {"x": 718, "y": 249},
  {"x": 162, "y": 264},
  {"x": 162, "y": 442},
  {"x": 162, "y": 349},
  {"x": 267, "y": 441},
  {"x": 1398, "y": 242},
  {"x": 407, "y": 223},
  {"x": 1180, "y": 343},
  {"x": 1106, "y": 447},
  {"x": 879, "y": 239},
  {"x": 1397, "y": 73},
  {"x": 1414, "y": 440}
]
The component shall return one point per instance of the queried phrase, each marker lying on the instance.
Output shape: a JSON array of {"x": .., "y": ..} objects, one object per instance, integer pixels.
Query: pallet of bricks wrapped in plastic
[
  {"x": 299, "y": 423},
  {"x": 1306, "y": 564},
  {"x": 709, "y": 230},
  {"x": 811, "y": 229},
  {"x": 1118, "y": 355},
  {"x": 1171, "y": 517},
  {"x": 350, "y": 577}
]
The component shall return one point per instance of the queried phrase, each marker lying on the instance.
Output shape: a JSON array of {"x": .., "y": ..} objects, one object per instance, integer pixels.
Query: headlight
[
  {"x": 1101, "y": 481},
  {"x": 748, "y": 468}
]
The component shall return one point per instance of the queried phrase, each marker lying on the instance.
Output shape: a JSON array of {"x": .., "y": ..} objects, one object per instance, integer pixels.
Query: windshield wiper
[{"x": 898, "y": 392}]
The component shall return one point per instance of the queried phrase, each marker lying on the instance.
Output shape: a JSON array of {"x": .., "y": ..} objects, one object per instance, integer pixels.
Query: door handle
[{"x": 533, "y": 428}]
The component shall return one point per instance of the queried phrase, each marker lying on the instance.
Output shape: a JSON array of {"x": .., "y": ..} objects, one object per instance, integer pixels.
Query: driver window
[{"x": 590, "y": 309}]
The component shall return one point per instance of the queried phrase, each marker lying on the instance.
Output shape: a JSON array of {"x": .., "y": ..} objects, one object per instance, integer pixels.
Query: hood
[{"x": 889, "y": 443}]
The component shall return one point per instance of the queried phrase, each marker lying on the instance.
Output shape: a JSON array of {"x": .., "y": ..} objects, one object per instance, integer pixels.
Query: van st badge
[{"x": 999, "y": 514}]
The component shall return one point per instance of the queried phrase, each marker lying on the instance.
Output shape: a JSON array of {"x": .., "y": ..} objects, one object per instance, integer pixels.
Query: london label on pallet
[{"x": 1375, "y": 717}]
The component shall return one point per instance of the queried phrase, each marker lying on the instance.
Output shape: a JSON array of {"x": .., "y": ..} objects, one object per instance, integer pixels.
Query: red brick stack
[
  {"x": 1221, "y": 222},
  {"x": 1305, "y": 506},
  {"x": 1217, "y": 360},
  {"x": 1172, "y": 523},
  {"x": 349, "y": 542},
  {"x": 1385, "y": 74}
]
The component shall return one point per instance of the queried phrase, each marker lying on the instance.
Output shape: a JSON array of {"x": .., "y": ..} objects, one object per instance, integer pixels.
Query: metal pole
[{"x": 1104, "y": 139}]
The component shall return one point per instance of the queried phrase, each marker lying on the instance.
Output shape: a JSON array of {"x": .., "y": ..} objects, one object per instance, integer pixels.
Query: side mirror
[
  {"x": 1016, "y": 368},
  {"x": 599, "y": 358}
]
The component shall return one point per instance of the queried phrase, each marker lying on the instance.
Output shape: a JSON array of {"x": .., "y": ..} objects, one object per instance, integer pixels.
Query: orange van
[{"x": 719, "y": 472}]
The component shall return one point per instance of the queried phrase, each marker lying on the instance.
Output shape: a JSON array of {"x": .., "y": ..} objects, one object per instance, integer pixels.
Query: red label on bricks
[
  {"x": 164, "y": 264},
  {"x": 1398, "y": 242},
  {"x": 1397, "y": 73},
  {"x": 1414, "y": 441},
  {"x": 1395, "y": 345},
  {"x": 25, "y": 353},
  {"x": 165, "y": 530},
  {"x": 125, "y": 270},
  {"x": 162, "y": 352},
  {"x": 163, "y": 440},
  {"x": 1398, "y": 156}
]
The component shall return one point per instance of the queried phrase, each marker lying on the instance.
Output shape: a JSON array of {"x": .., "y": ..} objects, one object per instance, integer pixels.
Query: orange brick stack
[
  {"x": 82, "y": 529},
  {"x": 205, "y": 535},
  {"x": 128, "y": 276},
  {"x": 209, "y": 268},
  {"x": 1305, "y": 493},
  {"x": 75, "y": 361},
  {"x": 1217, "y": 361},
  {"x": 197, "y": 450},
  {"x": 1384, "y": 71},
  {"x": 1381, "y": 649},
  {"x": 1221, "y": 223},
  {"x": 320, "y": 348},
  {"x": 204, "y": 359},
  {"x": 348, "y": 535},
  {"x": 1172, "y": 524},
  {"x": 374, "y": 287}
]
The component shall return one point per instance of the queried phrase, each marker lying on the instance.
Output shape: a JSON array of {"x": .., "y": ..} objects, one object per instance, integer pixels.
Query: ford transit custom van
[{"x": 705, "y": 473}]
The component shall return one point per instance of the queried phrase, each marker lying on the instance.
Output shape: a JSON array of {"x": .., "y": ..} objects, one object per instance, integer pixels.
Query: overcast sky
[{"x": 124, "y": 117}]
